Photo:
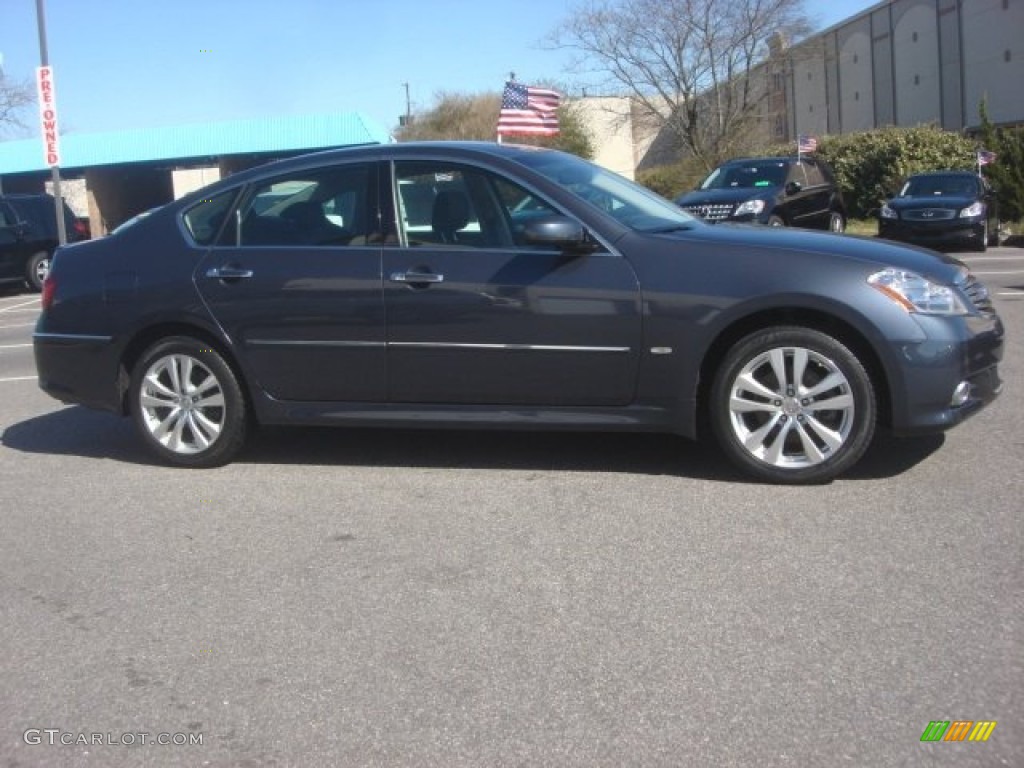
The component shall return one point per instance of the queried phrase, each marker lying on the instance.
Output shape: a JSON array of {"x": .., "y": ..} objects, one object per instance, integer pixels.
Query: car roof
[
  {"x": 972, "y": 174},
  {"x": 776, "y": 159},
  {"x": 462, "y": 149}
]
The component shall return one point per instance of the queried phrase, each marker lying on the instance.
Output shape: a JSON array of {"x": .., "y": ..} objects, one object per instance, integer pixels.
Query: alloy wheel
[
  {"x": 791, "y": 408},
  {"x": 182, "y": 404}
]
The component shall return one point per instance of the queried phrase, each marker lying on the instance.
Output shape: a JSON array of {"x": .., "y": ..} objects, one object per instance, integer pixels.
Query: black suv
[
  {"x": 28, "y": 237},
  {"x": 777, "y": 191}
]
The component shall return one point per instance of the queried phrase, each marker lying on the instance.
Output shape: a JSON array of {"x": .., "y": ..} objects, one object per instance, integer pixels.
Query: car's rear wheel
[
  {"x": 36, "y": 270},
  {"x": 836, "y": 223},
  {"x": 187, "y": 403},
  {"x": 792, "y": 405}
]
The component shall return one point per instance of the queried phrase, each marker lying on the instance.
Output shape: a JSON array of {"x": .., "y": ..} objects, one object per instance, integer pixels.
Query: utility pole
[
  {"x": 44, "y": 61},
  {"x": 409, "y": 105}
]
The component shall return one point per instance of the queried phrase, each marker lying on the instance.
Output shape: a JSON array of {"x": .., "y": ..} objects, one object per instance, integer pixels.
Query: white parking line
[
  {"x": 13, "y": 307},
  {"x": 18, "y": 378},
  {"x": 14, "y": 346},
  {"x": 19, "y": 325},
  {"x": 1004, "y": 272},
  {"x": 997, "y": 257}
]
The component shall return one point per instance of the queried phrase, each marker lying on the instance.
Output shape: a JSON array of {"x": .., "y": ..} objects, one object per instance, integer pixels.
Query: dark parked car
[
  {"x": 28, "y": 236},
  {"x": 943, "y": 208},
  {"x": 777, "y": 191},
  {"x": 542, "y": 292}
]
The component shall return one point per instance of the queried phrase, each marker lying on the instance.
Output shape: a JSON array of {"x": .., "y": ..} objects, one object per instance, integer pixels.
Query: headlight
[
  {"x": 974, "y": 209},
  {"x": 888, "y": 213},
  {"x": 751, "y": 206},
  {"x": 916, "y": 294}
]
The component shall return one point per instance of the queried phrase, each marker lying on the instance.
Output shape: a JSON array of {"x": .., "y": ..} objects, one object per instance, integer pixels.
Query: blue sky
[{"x": 122, "y": 64}]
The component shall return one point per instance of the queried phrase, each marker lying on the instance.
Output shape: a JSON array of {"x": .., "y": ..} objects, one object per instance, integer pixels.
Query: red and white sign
[{"x": 48, "y": 115}]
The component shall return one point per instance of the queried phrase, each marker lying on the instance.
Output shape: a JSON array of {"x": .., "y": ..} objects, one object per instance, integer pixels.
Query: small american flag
[
  {"x": 805, "y": 145},
  {"x": 985, "y": 157},
  {"x": 528, "y": 111}
]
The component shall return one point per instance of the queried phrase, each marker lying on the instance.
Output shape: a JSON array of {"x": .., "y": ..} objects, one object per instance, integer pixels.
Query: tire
[
  {"x": 766, "y": 401},
  {"x": 209, "y": 429},
  {"x": 776, "y": 221},
  {"x": 836, "y": 223},
  {"x": 36, "y": 270},
  {"x": 982, "y": 244},
  {"x": 993, "y": 237}
]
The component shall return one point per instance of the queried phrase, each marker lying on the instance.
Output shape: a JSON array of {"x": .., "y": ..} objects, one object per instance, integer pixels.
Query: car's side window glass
[
  {"x": 327, "y": 208},
  {"x": 446, "y": 204},
  {"x": 815, "y": 178},
  {"x": 521, "y": 206},
  {"x": 204, "y": 219},
  {"x": 798, "y": 173}
]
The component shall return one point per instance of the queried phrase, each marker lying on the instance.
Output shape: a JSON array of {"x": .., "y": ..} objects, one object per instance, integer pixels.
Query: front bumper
[
  {"x": 951, "y": 232},
  {"x": 957, "y": 352}
]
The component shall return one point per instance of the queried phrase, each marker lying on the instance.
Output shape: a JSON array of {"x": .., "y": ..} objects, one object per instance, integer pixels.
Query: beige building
[
  {"x": 900, "y": 62},
  {"x": 908, "y": 62}
]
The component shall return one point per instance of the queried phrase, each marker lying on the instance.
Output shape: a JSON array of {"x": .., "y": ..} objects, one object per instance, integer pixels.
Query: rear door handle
[
  {"x": 416, "y": 277},
  {"x": 228, "y": 273}
]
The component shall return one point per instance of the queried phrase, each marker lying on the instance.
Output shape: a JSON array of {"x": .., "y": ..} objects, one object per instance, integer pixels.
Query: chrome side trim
[
  {"x": 516, "y": 347},
  {"x": 313, "y": 343},
  {"x": 72, "y": 337},
  {"x": 431, "y": 345}
]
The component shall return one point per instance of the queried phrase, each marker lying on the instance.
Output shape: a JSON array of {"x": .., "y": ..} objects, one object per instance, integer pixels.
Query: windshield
[
  {"x": 766, "y": 173},
  {"x": 629, "y": 203},
  {"x": 932, "y": 186}
]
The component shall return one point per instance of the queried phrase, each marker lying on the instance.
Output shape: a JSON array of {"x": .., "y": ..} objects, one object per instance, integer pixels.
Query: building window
[
  {"x": 809, "y": 76},
  {"x": 1006, "y": 55},
  {"x": 917, "y": 79},
  {"x": 856, "y": 95},
  {"x": 914, "y": 37},
  {"x": 855, "y": 58}
]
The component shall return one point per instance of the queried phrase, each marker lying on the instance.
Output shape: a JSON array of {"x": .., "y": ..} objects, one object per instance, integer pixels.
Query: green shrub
[
  {"x": 1007, "y": 172},
  {"x": 672, "y": 180},
  {"x": 871, "y": 165}
]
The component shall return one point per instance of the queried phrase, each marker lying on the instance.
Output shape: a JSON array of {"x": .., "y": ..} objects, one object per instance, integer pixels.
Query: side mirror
[
  {"x": 556, "y": 231},
  {"x": 792, "y": 187}
]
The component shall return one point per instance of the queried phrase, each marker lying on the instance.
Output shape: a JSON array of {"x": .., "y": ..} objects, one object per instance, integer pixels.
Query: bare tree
[
  {"x": 14, "y": 98},
  {"x": 692, "y": 65}
]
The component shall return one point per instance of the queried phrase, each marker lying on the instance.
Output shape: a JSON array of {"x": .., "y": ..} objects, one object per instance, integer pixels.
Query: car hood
[
  {"x": 713, "y": 196},
  {"x": 777, "y": 242},
  {"x": 945, "y": 201}
]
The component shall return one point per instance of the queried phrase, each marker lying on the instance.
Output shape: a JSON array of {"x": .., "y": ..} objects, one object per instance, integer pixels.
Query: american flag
[
  {"x": 985, "y": 157},
  {"x": 805, "y": 145},
  {"x": 528, "y": 111}
]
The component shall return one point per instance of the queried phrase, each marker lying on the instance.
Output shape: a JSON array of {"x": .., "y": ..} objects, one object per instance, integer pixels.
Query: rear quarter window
[{"x": 204, "y": 219}]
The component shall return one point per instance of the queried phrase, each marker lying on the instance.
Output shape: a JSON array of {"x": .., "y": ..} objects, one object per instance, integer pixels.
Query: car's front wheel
[
  {"x": 187, "y": 403},
  {"x": 792, "y": 405},
  {"x": 981, "y": 245},
  {"x": 776, "y": 221}
]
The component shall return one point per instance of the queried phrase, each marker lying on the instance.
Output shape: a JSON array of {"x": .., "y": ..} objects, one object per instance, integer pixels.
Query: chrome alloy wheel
[
  {"x": 791, "y": 407},
  {"x": 182, "y": 404}
]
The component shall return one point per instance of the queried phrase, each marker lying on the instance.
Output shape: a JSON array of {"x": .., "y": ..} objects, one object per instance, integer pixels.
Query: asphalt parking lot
[{"x": 483, "y": 599}]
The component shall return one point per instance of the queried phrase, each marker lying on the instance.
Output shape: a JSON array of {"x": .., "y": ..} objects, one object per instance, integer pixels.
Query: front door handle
[
  {"x": 228, "y": 273},
  {"x": 416, "y": 277}
]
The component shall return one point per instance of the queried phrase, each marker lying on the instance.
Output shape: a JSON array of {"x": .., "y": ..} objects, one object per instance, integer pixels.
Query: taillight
[
  {"x": 49, "y": 291},
  {"x": 81, "y": 229}
]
